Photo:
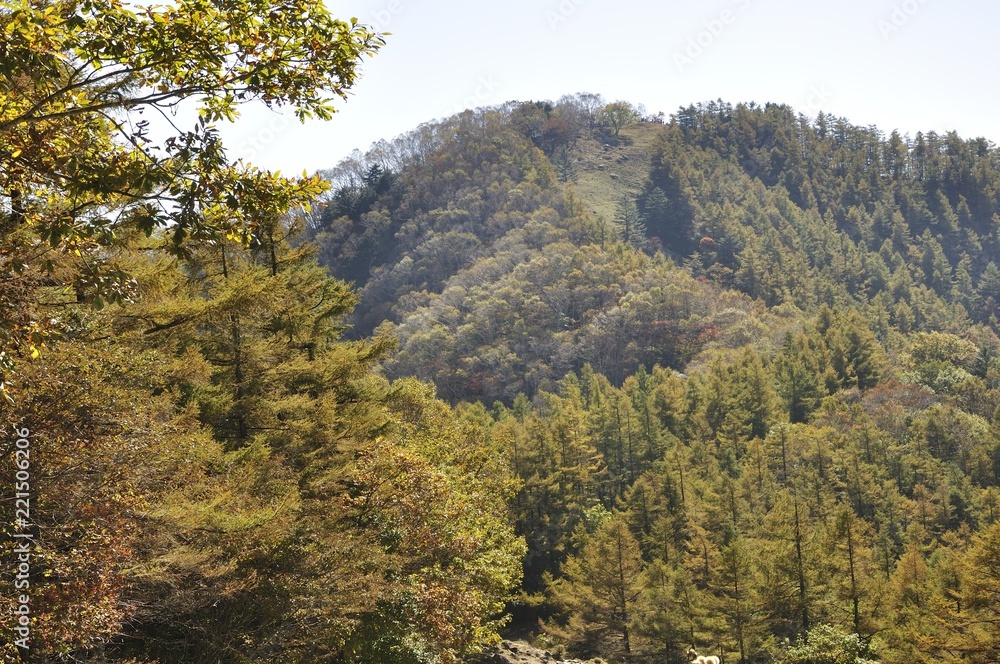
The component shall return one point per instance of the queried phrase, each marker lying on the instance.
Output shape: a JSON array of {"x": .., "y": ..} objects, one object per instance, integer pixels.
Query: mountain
[
  {"x": 743, "y": 362},
  {"x": 495, "y": 242},
  {"x": 616, "y": 388}
]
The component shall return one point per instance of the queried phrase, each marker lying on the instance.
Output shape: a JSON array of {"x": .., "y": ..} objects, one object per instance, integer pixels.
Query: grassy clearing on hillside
[{"x": 604, "y": 174}]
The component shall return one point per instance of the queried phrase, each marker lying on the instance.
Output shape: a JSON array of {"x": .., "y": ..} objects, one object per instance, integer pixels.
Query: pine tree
[
  {"x": 600, "y": 589},
  {"x": 656, "y": 211},
  {"x": 798, "y": 377},
  {"x": 630, "y": 223},
  {"x": 290, "y": 505},
  {"x": 989, "y": 288},
  {"x": 563, "y": 161}
]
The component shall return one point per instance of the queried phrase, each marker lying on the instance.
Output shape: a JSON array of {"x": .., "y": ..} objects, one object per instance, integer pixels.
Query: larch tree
[
  {"x": 330, "y": 521},
  {"x": 600, "y": 588},
  {"x": 982, "y": 594},
  {"x": 797, "y": 373}
]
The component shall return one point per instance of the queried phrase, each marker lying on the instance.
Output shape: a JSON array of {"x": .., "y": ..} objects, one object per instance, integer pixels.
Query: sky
[{"x": 911, "y": 65}]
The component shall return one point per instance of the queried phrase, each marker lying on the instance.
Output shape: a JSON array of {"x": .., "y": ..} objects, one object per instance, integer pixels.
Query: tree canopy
[
  {"x": 210, "y": 455},
  {"x": 783, "y": 397},
  {"x": 80, "y": 83}
]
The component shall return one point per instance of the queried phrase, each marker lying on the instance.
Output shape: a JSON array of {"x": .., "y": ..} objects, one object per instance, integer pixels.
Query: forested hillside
[
  {"x": 744, "y": 363},
  {"x": 195, "y": 466},
  {"x": 620, "y": 384}
]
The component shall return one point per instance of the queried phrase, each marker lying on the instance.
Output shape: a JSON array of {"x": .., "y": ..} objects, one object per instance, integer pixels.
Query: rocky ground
[{"x": 519, "y": 652}]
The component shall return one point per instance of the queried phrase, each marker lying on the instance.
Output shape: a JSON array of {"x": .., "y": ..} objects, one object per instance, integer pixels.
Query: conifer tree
[
  {"x": 304, "y": 428},
  {"x": 656, "y": 211},
  {"x": 630, "y": 223},
  {"x": 600, "y": 589},
  {"x": 981, "y": 572},
  {"x": 798, "y": 377}
]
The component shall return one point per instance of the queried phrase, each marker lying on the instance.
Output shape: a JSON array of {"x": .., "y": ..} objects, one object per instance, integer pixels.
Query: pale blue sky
[{"x": 899, "y": 64}]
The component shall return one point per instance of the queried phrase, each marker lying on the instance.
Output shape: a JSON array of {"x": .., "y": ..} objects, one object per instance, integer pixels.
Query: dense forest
[
  {"x": 196, "y": 466},
  {"x": 621, "y": 384},
  {"x": 743, "y": 362}
]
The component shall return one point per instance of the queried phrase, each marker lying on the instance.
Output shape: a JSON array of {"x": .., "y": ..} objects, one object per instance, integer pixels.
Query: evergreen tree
[
  {"x": 656, "y": 211},
  {"x": 563, "y": 162},
  {"x": 600, "y": 589},
  {"x": 798, "y": 377},
  {"x": 303, "y": 427},
  {"x": 982, "y": 593},
  {"x": 630, "y": 223}
]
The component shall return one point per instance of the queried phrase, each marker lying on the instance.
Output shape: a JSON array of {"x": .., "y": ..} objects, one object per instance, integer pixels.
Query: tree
[
  {"x": 656, "y": 210},
  {"x": 792, "y": 595},
  {"x": 77, "y": 166},
  {"x": 618, "y": 115},
  {"x": 982, "y": 593},
  {"x": 630, "y": 224},
  {"x": 941, "y": 361},
  {"x": 827, "y": 644},
  {"x": 733, "y": 589},
  {"x": 336, "y": 516},
  {"x": 563, "y": 161},
  {"x": 589, "y": 105},
  {"x": 741, "y": 404},
  {"x": 989, "y": 285},
  {"x": 850, "y": 535},
  {"x": 600, "y": 588},
  {"x": 856, "y": 355},
  {"x": 560, "y": 470},
  {"x": 798, "y": 377},
  {"x": 102, "y": 449},
  {"x": 918, "y": 629},
  {"x": 436, "y": 500},
  {"x": 662, "y": 609}
]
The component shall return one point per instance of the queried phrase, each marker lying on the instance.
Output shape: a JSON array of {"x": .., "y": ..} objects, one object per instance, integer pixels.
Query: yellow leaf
[
  {"x": 15, "y": 154},
  {"x": 34, "y": 353}
]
